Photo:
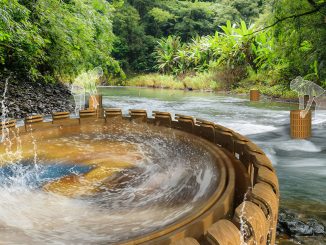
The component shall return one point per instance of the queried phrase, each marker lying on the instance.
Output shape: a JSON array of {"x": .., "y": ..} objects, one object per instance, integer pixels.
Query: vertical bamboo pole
[
  {"x": 96, "y": 103},
  {"x": 254, "y": 95},
  {"x": 300, "y": 127}
]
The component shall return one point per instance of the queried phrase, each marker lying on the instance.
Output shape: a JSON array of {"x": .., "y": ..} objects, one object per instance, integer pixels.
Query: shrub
[
  {"x": 200, "y": 81},
  {"x": 155, "y": 80}
]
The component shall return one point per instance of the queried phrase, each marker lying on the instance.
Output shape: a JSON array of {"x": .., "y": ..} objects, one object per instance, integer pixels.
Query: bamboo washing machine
[{"x": 152, "y": 179}]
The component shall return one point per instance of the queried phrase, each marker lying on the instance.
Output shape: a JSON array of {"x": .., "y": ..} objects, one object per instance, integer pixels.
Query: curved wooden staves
[{"x": 220, "y": 221}]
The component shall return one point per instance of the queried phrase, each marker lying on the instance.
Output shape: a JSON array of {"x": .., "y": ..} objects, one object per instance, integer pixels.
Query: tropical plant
[{"x": 166, "y": 52}]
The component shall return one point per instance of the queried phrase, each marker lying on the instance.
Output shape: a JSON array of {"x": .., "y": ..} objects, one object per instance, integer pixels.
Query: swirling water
[{"x": 153, "y": 186}]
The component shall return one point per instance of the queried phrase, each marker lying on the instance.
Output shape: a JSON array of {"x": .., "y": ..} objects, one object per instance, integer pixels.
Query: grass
[
  {"x": 155, "y": 80},
  {"x": 266, "y": 85},
  {"x": 276, "y": 91},
  {"x": 211, "y": 81},
  {"x": 201, "y": 81}
]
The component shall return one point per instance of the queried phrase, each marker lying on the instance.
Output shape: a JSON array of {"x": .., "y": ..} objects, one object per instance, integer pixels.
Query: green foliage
[
  {"x": 21, "y": 45},
  {"x": 248, "y": 10},
  {"x": 200, "y": 42},
  {"x": 166, "y": 52},
  {"x": 185, "y": 19},
  {"x": 81, "y": 32},
  {"x": 234, "y": 46},
  {"x": 231, "y": 49},
  {"x": 131, "y": 47},
  {"x": 161, "y": 16},
  {"x": 201, "y": 81},
  {"x": 301, "y": 42},
  {"x": 238, "y": 52},
  {"x": 56, "y": 40}
]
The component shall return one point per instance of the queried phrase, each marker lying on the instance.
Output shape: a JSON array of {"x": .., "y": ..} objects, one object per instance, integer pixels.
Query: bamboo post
[
  {"x": 254, "y": 95},
  {"x": 300, "y": 127},
  {"x": 96, "y": 103}
]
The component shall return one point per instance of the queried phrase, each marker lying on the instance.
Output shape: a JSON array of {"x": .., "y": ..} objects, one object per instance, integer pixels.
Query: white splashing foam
[
  {"x": 298, "y": 145},
  {"x": 250, "y": 128}
]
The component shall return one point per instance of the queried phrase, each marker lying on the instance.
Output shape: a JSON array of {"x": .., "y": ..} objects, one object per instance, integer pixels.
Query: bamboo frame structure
[{"x": 244, "y": 206}]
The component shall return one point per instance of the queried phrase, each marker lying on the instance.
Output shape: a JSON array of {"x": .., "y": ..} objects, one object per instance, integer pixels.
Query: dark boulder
[
  {"x": 26, "y": 97},
  {"x": 289, "y": 224},
  {"x": 317, "y": 228}
]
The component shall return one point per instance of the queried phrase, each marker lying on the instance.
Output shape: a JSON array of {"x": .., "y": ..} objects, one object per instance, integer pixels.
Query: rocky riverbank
[
  {"x": 293, "y": 228},
  {"x": 21, "y": 98}
]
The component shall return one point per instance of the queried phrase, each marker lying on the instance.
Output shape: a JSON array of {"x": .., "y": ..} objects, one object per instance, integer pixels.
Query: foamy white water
[{"x": 265, "y": 122}]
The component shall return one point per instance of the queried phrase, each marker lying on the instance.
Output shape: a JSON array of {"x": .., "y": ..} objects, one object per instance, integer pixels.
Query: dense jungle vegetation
[{"x": 212, "y": 44}]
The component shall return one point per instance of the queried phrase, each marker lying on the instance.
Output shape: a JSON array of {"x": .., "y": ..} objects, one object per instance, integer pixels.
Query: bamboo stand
[
  {"x": 300, "y": 127},
  {"x": 254, "y": 95},
  {"x": 96, "y": 103}
]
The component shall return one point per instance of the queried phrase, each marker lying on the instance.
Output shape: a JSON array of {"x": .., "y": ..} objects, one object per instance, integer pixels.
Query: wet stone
[
  {"x": 318, "y": 229},
  {"x": 299, "y": 228},
  {"x": 290, "y": 224},
  {"x": 24, "y": 97}
]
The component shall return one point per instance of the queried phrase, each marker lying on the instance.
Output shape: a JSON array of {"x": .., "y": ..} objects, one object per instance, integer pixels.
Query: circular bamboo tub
[{"x": 240, "y": 203}]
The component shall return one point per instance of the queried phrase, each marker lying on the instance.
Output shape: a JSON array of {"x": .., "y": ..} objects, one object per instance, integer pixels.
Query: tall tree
[
  {"x": 21, "y": 45},
  {"x": 132, "y": 47},
  {"x": 301, "y": 37}
]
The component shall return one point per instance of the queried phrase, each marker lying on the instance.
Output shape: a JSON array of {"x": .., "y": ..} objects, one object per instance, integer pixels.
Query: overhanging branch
[
  {"x": 6, "y": 45},
  {"x": 315, "y": 10},
  {"x": 313, "y": 3}
]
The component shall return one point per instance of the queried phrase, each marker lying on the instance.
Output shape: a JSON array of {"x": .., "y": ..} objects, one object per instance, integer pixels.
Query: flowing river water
[{"x": 300, "y": 164}]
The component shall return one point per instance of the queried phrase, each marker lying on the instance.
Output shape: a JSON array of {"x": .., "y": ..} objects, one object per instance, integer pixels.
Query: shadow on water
[{"x": 37, "y": 175}]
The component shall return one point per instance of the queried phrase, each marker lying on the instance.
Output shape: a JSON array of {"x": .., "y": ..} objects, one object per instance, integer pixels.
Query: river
[{"x": 300, "y": 164}]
